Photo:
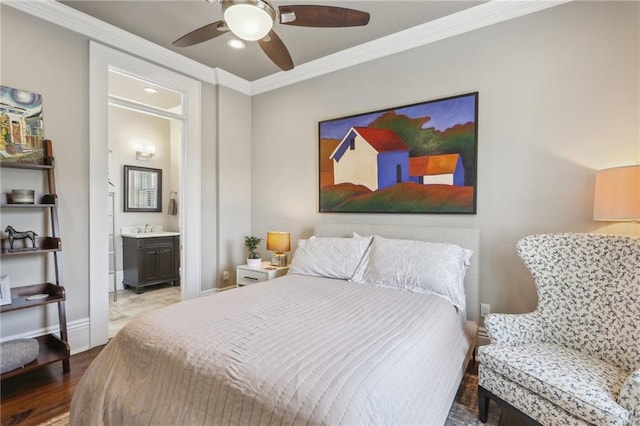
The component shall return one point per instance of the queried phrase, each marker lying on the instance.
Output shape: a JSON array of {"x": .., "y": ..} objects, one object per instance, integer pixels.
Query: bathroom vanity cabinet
[{"x": 150, "y": 260}]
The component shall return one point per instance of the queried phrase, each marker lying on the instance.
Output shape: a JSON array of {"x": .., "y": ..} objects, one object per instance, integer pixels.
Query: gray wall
[
  {"x": 558, "y": 100},
  {"x": 234, "y": 179},
  {"x": 41, "y": 57},
  {"x": 209, "y": 175},
  {"x": 45, "y": 59}
]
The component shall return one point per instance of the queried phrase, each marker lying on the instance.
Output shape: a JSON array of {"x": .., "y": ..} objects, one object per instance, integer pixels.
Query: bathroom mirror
[{"x": 142, "y": 189}]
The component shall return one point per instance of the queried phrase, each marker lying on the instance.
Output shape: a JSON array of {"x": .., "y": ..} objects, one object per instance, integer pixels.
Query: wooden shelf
[
  {"x": 47, "y": 163},
  {"x": 19, "y": 296},
  {"x": 52, "y": 349},
  {"x": 44, "y": 245},
  {"x": 46, "y": 201}
]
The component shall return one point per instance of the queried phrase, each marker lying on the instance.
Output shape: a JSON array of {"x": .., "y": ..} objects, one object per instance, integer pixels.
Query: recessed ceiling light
[
  {"x": 150, "y": 90},
  {"x": 236, "y": 44}
]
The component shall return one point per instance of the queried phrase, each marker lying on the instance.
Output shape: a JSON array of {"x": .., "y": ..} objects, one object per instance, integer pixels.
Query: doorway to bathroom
[
  {"x": 145, "y": 127},
  {"x": 105, "y": 64}
]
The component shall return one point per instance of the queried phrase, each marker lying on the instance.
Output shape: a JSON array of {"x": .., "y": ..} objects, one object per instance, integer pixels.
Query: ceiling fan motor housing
[
  {"x": 253, "y": 20},
  {"x": 249, "y": 19}
]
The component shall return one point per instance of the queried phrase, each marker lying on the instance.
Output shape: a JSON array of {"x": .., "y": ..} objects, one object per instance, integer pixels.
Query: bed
[{"x": 306, "y": 348}]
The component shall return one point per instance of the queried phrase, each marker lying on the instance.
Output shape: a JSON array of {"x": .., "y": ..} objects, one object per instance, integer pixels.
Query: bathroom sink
[{"x": 150, "y": 234}]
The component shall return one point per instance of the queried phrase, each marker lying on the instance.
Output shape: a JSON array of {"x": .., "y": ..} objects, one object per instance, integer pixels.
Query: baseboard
[
  {"x": 77, "y": 332},
  {"x": 229, "y": 287},
  {"x": 79, "y": 335}
]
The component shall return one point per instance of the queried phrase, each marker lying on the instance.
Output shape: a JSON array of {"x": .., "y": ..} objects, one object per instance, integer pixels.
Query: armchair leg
[{"x": 483, "y": 405}]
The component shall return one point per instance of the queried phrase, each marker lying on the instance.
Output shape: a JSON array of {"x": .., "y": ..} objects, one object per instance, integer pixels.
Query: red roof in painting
[{"x": 382, "y": 139}]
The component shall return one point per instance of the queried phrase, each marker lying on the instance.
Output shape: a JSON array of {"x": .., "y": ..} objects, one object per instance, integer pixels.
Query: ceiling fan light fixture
[{"x": 248, "y": 19}]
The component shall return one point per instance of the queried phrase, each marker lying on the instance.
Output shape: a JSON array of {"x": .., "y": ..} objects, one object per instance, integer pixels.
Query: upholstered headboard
[{"x": 464, "y": 237}]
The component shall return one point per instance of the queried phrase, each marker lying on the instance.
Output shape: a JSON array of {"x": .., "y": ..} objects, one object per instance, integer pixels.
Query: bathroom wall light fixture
[{"x": 144, "y": 154}]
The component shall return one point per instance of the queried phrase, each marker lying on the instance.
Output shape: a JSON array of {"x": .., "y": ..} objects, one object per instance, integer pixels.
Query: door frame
[{"x": 102, "y": 59}]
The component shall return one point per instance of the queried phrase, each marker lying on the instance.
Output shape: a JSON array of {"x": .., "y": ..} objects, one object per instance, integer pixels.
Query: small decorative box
[{"x": 22, "y": 196}]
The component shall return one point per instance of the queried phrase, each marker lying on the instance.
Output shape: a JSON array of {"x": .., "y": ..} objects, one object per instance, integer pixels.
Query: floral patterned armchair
[{"x": 575, "y": 360}]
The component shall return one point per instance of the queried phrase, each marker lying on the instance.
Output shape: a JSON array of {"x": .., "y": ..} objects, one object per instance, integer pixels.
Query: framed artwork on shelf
[
  {"x": 21, "y": 126},
  {"x": 419, "y": 158}
]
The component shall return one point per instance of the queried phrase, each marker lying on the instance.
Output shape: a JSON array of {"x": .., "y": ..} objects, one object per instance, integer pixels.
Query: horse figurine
[{"x": 17, "y": 235}]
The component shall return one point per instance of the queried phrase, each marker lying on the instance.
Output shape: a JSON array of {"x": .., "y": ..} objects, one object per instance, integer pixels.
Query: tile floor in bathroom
[{"x": 131, "y": 305}]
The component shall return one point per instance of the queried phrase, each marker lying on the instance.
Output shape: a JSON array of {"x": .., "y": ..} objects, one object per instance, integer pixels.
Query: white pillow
[
  {"x": 418, "y": 266},
  {"x": 328, "y": 257},
  {"x": 359, "y": 272}
]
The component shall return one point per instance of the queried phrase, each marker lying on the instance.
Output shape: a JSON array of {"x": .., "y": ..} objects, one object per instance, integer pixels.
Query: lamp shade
[
  {"x": 278, "y": 241},
  {"x": 248, "y": 19},
  {"x": 617, "y": 196}
]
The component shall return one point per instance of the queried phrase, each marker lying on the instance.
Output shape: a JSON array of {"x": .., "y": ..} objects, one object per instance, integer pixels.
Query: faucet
[{"x": 146, "y": 228}]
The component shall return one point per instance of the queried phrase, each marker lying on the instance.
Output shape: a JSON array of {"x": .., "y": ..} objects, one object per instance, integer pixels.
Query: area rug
[{"x": 464, "y": 411}]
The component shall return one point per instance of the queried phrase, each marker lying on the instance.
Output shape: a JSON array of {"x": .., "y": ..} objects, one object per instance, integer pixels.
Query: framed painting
[
  {"x": 21, "y": 126},
  {"x": 419, "y": 158}
]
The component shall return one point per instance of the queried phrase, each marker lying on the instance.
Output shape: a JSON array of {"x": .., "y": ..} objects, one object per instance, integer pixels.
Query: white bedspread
[{"x": 295, "y": 350}]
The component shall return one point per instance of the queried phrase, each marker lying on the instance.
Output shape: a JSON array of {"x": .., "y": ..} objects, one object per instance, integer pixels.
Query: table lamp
[
  {"x": 278, "y": 242},
  {"x": 617, "y": 196}
]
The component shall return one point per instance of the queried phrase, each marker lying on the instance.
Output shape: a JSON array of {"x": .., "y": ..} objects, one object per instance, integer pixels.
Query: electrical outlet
[
  {"x": 485, "y": 309},
  {"x": 225, "y": 276}
]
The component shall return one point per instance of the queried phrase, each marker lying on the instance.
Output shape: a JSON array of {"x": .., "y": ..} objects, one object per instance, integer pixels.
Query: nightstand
[{"x": 246, "y": 275}]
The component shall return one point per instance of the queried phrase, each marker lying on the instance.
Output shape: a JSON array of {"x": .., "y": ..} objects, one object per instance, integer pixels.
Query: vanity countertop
[{"x": 150, "y": 234}]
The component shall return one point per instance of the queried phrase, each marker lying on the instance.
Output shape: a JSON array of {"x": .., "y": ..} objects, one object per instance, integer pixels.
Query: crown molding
[
  {"x": 483, "y": 15},
  {"x": 232, "y": 81},
  {"x": 102, "y": 32}
]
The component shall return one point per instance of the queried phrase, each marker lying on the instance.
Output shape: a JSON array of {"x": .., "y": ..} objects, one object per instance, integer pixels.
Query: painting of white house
[
  {"x": 419, "y": 158},
  {"x": 21, "y": 126}
]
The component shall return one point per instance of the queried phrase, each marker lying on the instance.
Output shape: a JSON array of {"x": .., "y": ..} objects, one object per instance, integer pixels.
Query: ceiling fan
[{"x": 253, "y": 20}]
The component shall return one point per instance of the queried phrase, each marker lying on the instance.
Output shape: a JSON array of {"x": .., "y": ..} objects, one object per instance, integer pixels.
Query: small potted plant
[{"x": 253, "y": 260}]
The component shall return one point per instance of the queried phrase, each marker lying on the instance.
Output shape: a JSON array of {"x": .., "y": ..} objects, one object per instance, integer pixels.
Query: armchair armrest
[
  {"x": 514, "y": 329},
  {"x": 630, "y": 397}
]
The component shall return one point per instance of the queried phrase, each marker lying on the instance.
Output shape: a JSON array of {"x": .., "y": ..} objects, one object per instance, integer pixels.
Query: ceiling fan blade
[
  {"x": 202, "y": 34},
  {"x": 322, "y": 16},
  {"x": 275, "y": 49}
]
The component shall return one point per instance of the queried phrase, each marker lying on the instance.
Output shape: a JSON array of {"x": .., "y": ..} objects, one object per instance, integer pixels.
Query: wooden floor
[
  {"x": 40, "y": 395},
  {"x": 33, "y": 398},
  {"x": 43, "y": 394}
]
